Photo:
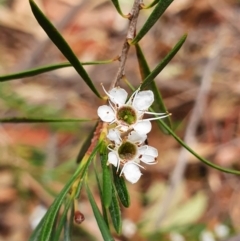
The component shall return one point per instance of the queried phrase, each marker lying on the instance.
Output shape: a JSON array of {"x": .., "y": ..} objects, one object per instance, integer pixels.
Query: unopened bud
[{"x": 78, "y": 217}]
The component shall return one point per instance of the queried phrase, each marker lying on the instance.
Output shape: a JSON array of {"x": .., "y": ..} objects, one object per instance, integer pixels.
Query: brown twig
[
  {"x": 133, "y": 17},
  {"x": 95, "y": 138}
]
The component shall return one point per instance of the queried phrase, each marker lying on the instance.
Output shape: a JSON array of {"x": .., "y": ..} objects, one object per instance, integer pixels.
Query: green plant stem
[{"x": 205, "y": 161}]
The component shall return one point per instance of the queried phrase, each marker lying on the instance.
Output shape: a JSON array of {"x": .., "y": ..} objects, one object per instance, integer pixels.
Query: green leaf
[
  {"x": 51, "y": 216},
  {"x": 158, "y": 104},
  {"x": 78, "y": 189},
  {"x": 47, "y": 229},
  {"x": 117, "y": 6},
  {"x": 106, "y": 177},
  {"x": 63, "y": 219},
  {"x": 36, "y": 233},
  {"x": 152, "y": 19},
  {"x": 98, "y": 216},
  {"x": 68, "y": 226},
  {"x": 62, "y": 45},
  {"x": 163, "y": 63},
  {"x": 67, "y": 229},
  {"x": 86, "y": 144},
  {"x": 205, "y": 161},
  {"x": 66, "y": 233},
  {"x": 115, "y": 212},
  {"x": 44, "y": 69},
  {"x": 151, "y": 4},
  {"x": 121, "y": 188},
  {"x": 19, "y": 120},
  {"x": 104, "y": 210}
]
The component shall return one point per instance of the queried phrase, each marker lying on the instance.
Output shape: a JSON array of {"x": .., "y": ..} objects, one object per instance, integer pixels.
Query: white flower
[
  {"x": 128, "y": 114},
  {"x": 129, "y": 152},
  {"x": 222, "y": 231},
  {"x": 206, "y": 236}
]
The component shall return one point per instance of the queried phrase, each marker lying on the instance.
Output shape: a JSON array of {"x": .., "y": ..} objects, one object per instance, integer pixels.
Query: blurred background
[{"x": 177, "y": 199}]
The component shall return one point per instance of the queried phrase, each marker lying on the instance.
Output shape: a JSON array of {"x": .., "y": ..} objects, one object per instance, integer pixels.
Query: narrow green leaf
[
  {"x": 106, "y": 177},
  {"x": 158, "y": 104},
  {"x": 152, "y": 19},
  {"x": 36, "y": 232},
  {"x": 47, "y": 229},
  {"x": 19, "y": 120},
  {"x": 117, "y": 6},
  {"x": 62, "y": 45},
  {"x": 115, "y": 212},
  {"x": 51, "y": 216},
  {"x": 163, "y": 63},
  {"x": 205, "y": 161},
  {"x": 86, "y": 144},
  {"x": 104, "y": 210},
  {"x": 62, "y": 220},
  {"x": 121, "y": 188},
  {"x": 98, "y": 216},
  {"x": 79, "y": 188},
  {"x": 44, "y": 69},
  {"x": 67, "y": 229},
  {"x": 152, "y": 4}
]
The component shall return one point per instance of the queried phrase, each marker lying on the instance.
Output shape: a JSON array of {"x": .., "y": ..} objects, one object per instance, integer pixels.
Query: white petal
[
  {"x": 118, "y": 95},
  {"x": 113, "y": 158},
  {"x": 131, "y": 172},
  {"x": 148, "y": 150},
  {"x": 147, "y": 159},
  {"x": 143, "y": 127},
  {"x": 106, "y": 113},
  {"x": 114, "y": 135},
  {"x": 135, "y": 137},
  {"x": 143, "y": 100}
]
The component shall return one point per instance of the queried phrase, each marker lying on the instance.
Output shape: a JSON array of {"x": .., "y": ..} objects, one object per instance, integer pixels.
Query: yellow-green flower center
[
  {"x": 127, "y": 151},
  {"x": 127, "y": 114}
]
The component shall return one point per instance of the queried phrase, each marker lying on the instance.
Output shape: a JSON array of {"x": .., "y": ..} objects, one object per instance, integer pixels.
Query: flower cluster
[{"x": 127, "y": 132}]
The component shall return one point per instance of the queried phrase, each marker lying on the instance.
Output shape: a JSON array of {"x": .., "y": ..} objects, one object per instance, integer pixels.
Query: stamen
[
  {"x": 153, "y": 113},
  {"x": 155, "y": 118},
  {"x": 118, "y": 165},
  {"x": 149, "y": 163},
  {"x": 131, "y": 99},
  {"x": 106, "y": 91},
  {"x": 112, "y": 107},
  {"x": 108, "y": 147}
]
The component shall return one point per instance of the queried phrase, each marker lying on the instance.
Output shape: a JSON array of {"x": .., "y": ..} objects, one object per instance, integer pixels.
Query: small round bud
[{"x": 78, "y": 217}]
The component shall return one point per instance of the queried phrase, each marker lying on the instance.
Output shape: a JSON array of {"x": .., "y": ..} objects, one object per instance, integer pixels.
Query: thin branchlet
[
  {"x": 95, "y": 138},
  {"x": 133, "y": 16}
]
